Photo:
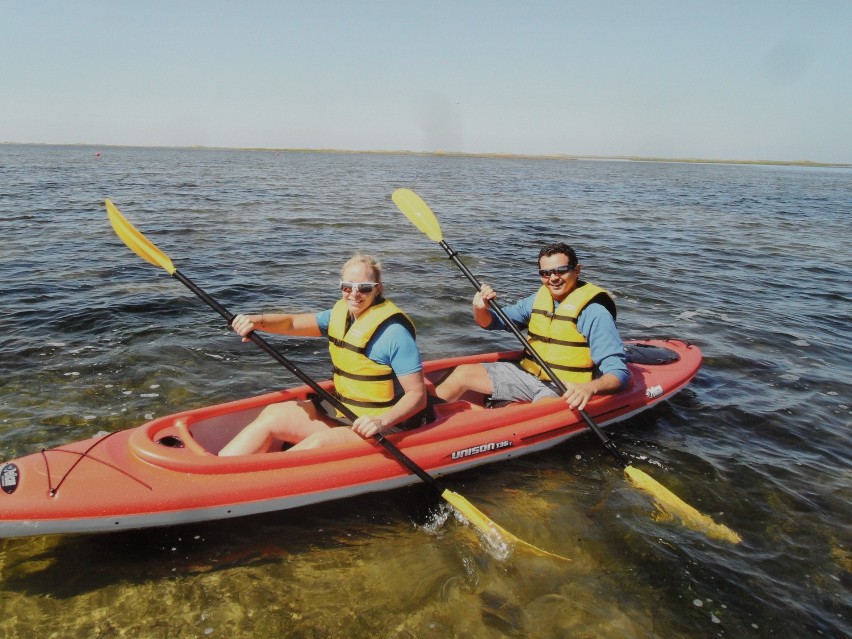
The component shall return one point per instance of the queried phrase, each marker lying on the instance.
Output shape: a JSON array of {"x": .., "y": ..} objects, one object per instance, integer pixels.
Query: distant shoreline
[{"x": 511, "y": 156}]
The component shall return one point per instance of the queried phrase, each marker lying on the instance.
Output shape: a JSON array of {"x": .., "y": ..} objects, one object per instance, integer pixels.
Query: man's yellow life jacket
[{"x": 554, "y": 335}]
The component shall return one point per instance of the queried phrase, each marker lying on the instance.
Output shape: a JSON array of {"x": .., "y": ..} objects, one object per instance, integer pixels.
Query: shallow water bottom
[{"x": 396, "y": 565}]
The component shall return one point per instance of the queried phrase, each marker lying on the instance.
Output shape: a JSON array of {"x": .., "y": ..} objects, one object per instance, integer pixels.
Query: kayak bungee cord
[
  {"x": 145, "y": 249},
  {"x": 419, "y": 213},
  {"x": 52, "y": 490}
]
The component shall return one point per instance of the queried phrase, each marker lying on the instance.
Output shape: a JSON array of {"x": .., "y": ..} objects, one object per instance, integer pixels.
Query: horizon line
[{"x": 438, "y": 153}]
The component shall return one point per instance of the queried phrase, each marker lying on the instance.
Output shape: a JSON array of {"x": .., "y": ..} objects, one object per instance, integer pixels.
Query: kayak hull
[{"x": 166, "y": 471}]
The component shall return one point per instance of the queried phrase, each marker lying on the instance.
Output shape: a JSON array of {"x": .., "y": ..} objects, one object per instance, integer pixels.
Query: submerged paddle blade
[
  {"x": 137, "y": 242},
  {"x": 477, "y": 518},
  {"x": 671, "y": 504},
  {"x": 416, "y": 210}
]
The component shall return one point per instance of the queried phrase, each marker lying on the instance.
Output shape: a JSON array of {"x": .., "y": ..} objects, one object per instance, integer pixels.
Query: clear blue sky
[{"x": 716, "y": 79}]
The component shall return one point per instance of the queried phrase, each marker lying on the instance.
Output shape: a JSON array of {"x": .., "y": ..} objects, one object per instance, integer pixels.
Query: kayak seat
[{"x": 188, "y": 440}]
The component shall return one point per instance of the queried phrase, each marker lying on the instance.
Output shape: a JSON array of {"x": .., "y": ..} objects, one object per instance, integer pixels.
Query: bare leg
[
  {"x": 334, "y": 436},
  {"x": 464, "y": 378},
  {"x": 287, "y": 421}
]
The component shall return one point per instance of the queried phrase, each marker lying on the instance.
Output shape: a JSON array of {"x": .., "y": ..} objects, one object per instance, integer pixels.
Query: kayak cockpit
[
  {"x": 205, "y": 432},
  {"x": 190, "y": 441}
]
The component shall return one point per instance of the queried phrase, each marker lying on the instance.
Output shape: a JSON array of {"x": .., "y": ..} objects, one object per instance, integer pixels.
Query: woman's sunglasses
[{"x": 362, "y": 287}]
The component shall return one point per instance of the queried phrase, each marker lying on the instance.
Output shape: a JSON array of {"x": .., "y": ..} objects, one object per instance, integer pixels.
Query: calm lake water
[{"x": 752, "y": 263}]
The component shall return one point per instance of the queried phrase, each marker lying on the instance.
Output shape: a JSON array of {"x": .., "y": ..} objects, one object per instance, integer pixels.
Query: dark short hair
[{"x": 558, "y": 248}]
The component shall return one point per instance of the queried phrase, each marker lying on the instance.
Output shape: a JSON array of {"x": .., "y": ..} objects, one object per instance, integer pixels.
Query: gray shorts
[{"x": 509, "y": 382}]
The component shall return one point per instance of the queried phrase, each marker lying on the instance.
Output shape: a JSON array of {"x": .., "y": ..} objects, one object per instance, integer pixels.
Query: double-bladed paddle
[
  {"x": 145, "y": 249},
  {"x": 416, "y": 210}
]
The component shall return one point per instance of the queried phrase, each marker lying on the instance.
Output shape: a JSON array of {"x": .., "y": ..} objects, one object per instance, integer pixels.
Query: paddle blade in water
[
  {"x": 673, "y": 505},
  {"x": 416, "y": 210},
  {"x": 137, "y": 242},
  {"x": 489, "y": 528}
]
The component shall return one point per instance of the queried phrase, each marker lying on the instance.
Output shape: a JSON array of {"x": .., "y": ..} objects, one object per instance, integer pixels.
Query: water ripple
[{"x": 752, "y": 263}]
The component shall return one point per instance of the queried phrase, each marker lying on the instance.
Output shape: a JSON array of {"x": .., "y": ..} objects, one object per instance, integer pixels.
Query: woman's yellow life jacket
[
  {"x": 554, "y": 335},
  {"x": 364, "y": 386}
]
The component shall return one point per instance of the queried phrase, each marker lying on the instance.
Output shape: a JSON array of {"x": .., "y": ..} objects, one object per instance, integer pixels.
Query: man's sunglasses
[
  {"x": 362, "y": 287},
  {"x": 559, "y": 270}
]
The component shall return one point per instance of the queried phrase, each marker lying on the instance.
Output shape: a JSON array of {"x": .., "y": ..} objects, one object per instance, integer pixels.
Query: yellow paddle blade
[
  {"x": 671, "y": 504},
  {"x": 488, "y": 527},
  {"x": 416, "y": 210},
  {"x": 137, "y": 242}
]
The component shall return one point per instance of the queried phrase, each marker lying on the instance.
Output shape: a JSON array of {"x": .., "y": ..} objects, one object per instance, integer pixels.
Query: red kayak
[{"x": 166, "y": 471}]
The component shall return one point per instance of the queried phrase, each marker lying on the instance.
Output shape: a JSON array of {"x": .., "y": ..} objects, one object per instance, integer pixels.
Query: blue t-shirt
[
  {"x": 391, "y": 345},
  {"x": 595, "y": 323}
]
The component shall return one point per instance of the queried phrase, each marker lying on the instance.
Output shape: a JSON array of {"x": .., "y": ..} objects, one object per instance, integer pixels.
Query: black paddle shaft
[
  {"x": 397, "y": 454},
  {"x": 606, "y": 441},
  {"x": 266, "y": 346}
]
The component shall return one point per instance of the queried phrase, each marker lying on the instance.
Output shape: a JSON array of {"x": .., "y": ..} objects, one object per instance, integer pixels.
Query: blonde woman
[{"x": 378, "y": 371}]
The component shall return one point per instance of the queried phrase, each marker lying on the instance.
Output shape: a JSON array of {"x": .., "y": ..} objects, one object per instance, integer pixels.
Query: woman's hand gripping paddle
[
  {"x": 145, "y": 249},
  {"x": 416, "y": 210}
]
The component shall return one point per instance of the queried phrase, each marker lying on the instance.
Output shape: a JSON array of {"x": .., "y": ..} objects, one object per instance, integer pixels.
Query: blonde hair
[{"x": 368, "y": 260}]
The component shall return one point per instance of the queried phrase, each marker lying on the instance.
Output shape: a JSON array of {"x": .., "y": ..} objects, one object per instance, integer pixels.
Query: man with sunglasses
[
  {"x": 570, "y": 323},
  {"x": 378, "y": 372}
]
